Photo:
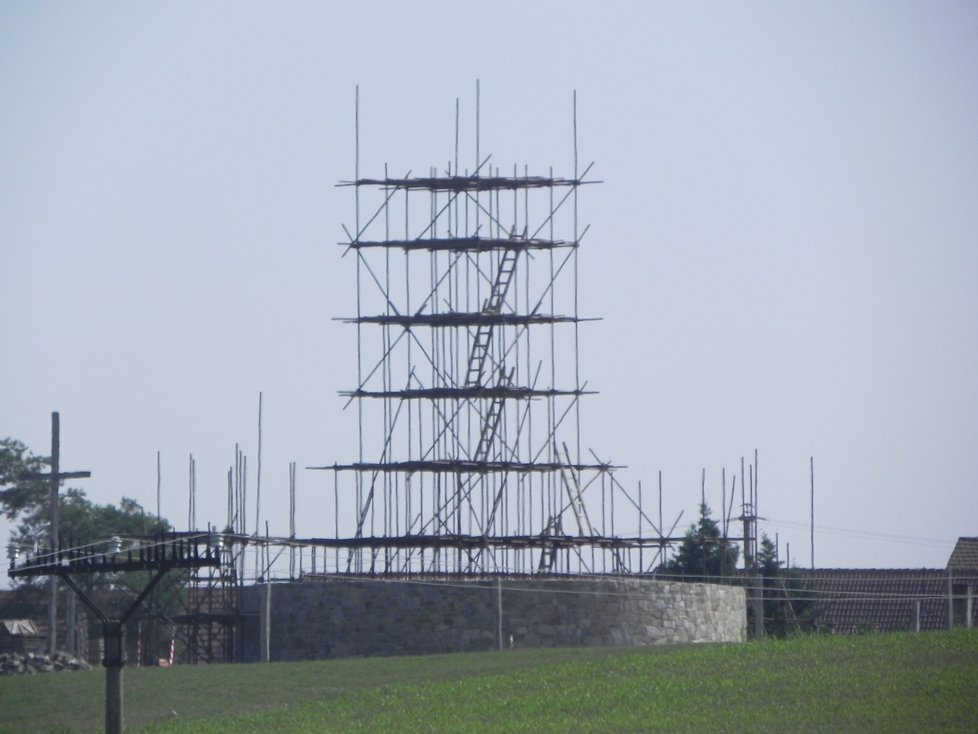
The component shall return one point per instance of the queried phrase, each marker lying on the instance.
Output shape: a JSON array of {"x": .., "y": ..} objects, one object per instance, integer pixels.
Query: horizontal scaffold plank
[
  {"x": 468, "y": 183},
  {"x": 463, "y": 466},
  {"x": 462, "y": 244},
  {"x": 466, "y": 393},
  {"x": 461, "y": 319},
  {"x": 490, "y": 541}
]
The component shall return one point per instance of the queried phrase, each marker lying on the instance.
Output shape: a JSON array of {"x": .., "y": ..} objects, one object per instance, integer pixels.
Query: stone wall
[{"x": 346, "y": 617}]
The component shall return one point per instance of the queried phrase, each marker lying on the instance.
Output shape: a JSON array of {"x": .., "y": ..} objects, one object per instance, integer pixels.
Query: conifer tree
[{"x": 704, "y": 555}]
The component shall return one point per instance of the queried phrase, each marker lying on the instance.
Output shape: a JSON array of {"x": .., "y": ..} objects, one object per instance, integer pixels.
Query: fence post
[{"x": 499, "y": 611}]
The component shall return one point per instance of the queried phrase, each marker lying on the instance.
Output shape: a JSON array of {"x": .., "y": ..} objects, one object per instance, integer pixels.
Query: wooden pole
[
  {"x": 758, "y": 601},
  {"x": 292, "y": 520},
  {"x": 705, "y": 570},
  {"x": 266, "y": 651},
  {"x": 53, "y": 580},
  {"x": 54, "y": 478},
  {"x": 757, "y": 474},
  {"x": 266, "y": 622},
  {"x": 641, "y": 564},
  {"x": 723, "y": 521},
  {"x": 745, "y": 517},
  {"x": 115, "y": 660},
  {"x": 662, "y": 545},
  {"x": 811, "y": 471},
  {"x": 159, "y": 484},
  {"x": 499, "y": 611},
  {"x": 258, "y": 487},
  {"x": 71, "y": 642}
]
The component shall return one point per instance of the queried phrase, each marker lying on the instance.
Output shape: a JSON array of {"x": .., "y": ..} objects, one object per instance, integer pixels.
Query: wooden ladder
[{"x": 482, "y": 340}]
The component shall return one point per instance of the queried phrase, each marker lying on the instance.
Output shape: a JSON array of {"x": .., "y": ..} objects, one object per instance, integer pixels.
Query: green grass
[{"x": 882, "y": 683}]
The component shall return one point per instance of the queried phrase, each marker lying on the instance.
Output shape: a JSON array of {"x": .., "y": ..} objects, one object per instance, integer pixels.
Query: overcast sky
[{"x": 784, "y": 251}]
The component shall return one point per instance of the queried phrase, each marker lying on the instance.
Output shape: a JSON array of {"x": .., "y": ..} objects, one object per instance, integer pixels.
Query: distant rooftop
[
  {"x": 878, "y": 599},
  {"x": 964, "y": 557}
]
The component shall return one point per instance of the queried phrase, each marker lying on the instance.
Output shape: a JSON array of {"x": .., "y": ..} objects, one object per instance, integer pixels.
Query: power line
[{"x": 890, "y": 537}]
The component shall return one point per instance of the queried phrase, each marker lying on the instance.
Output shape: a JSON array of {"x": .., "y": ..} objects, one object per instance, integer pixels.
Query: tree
[
  {"x": 19, "y": 496},
  {"x": 704, "y": 553},
  {"x": 26, "y": 503},
  {"x": 786, "y": 605},
  {"x": 767, "y": 558}
]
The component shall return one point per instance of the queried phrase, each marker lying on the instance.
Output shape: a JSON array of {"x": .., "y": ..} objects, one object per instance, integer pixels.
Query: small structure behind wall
[
  {"x": 962, "y": 580},
  {"x": 20, "y": 636}
]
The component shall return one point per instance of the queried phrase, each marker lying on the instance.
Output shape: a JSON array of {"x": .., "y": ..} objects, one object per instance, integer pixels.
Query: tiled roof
[
  {"x": 964, "y": 557},
  {"x": 855, "y": 600}
]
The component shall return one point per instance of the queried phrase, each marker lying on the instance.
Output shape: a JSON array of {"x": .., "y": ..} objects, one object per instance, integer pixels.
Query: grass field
[{"x": 871, "y": 683}]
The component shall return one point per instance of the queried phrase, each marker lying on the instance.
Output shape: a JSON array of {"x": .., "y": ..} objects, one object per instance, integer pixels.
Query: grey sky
[{"x": 783, "y": 251}]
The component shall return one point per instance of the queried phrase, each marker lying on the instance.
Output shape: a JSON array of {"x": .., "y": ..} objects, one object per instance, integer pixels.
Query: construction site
[
  {"x": 473, "y": 513},
  {"x": 471, "y": 460}
]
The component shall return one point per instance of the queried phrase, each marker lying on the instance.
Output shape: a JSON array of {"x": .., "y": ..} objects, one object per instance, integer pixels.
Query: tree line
[
  {"x": 25, "y": 501},
  {"x": 705, "y": 555}
]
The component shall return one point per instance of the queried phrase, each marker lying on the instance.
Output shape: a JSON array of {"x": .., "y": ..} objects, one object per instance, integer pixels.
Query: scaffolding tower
[{"x": 468, "y": 386}]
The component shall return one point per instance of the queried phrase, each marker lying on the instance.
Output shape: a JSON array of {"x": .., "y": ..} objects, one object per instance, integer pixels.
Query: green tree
[
  {"x": 767, "y": 558},
  {"x": 704, "y": 553},
  {"x": 19, "y": 496},
  {"x": 786, "y": 604},
  {"x": 26, "y": 503}
]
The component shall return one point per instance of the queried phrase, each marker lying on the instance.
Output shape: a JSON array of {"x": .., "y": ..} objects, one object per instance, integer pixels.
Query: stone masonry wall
[{"x": 350, "y": 618}]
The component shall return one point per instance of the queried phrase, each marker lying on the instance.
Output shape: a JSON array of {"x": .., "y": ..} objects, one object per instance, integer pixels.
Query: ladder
[
  {"x": 493, "y": 305},
  {"x": 548, "y": 554},
  {"x": 573, "y": 488},
  {"x": 491, "y": 424}
]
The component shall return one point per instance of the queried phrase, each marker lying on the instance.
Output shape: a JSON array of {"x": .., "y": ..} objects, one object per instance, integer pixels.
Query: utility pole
[
  {"x": 755, "y": 584},
  {"x": 158, "y": 557},
  {"x": 55, "y": 476}
]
